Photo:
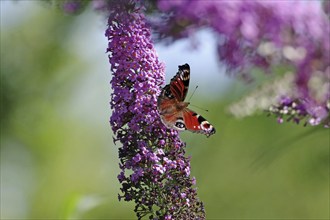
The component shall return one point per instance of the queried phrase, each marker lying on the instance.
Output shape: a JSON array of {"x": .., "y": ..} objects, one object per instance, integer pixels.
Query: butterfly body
[{"x": 174, "y": 112}]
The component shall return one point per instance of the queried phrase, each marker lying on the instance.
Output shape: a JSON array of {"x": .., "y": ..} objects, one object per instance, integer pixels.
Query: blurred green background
[{"x": 57, "y": 156}]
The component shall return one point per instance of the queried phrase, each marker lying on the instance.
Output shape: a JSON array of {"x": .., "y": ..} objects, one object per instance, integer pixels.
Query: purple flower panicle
[
  {"x": 297, "y": 111},
  {"x": 154, "y": 171}
]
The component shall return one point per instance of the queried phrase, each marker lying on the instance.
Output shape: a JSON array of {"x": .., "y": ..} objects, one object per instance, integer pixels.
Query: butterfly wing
[
  {"x": 188, "y": 120},
  {"x": 197, "y": 123},
  {"x": 175, "y": 92},
  {"x": 180, "y": 82}
]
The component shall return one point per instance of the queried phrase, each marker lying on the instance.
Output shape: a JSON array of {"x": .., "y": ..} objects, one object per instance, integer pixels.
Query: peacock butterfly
[{"x": 174, "y": 112}]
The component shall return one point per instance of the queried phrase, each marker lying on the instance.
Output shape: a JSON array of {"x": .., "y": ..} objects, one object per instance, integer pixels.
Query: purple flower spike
[
  {"x": 161, "y": 172},
  {"x": 295, "y": 110}
]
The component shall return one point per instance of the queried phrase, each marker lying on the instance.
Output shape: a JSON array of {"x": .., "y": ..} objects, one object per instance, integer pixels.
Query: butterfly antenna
[
  {"x": 196, "y": 105},
  {"x": 199, "y": 107},
  {"x": 193, "y": 93}
]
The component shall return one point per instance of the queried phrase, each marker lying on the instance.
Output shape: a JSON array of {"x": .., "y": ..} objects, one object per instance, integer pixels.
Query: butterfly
[{"x": 174, "y": 112}]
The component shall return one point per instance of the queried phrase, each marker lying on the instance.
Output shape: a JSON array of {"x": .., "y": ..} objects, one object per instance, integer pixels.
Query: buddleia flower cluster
[
  {"x": 295, "y": 110},
  {"x": 155, "y": 173}
]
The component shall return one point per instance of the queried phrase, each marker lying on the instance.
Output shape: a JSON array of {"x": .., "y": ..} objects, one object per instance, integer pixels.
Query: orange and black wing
[{"x": 180, "y": 82}]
